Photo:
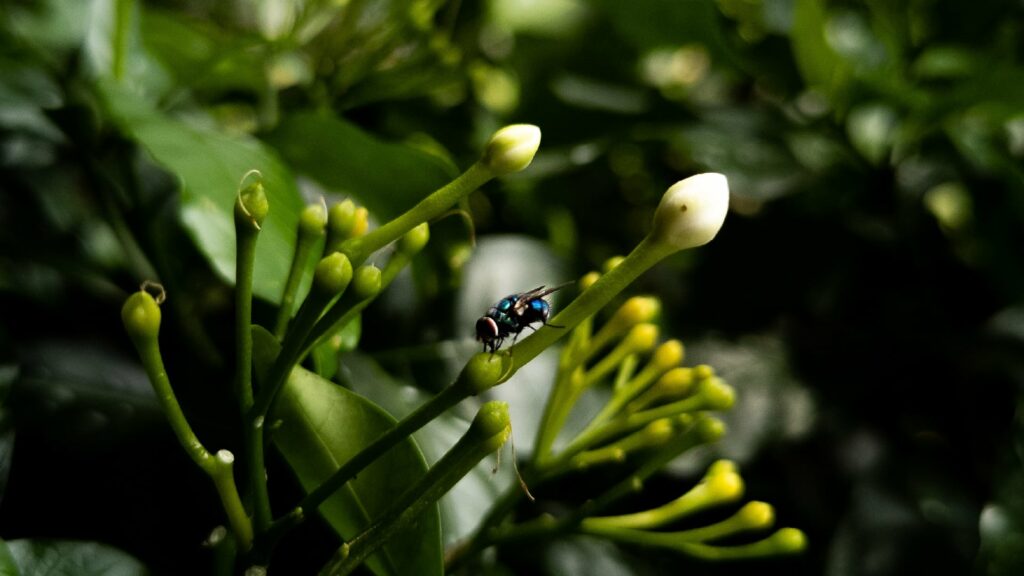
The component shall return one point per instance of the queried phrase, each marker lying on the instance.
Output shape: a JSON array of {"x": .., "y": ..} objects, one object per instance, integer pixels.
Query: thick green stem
[
  {"x": 434, "y": 205},
  {"x": 303, "y": 250},
  {"x": 217, "y": 467},
  {"x": 245, "y": 260},
  {"x": 122, "y": 27},
  {"x": 424, "y": 414},
  {"x": 456, "y": 463}
]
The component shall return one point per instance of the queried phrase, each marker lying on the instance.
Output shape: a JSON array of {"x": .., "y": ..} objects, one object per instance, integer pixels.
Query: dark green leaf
[
  {"x": 324, "y": 425},
  {"x": 69, "y": 558},
  {"x": 7, "y": 565},
  {"x": 210, "y": 166},
  {"x": 820, "y": 65},
  {"x": 387, "y": 178}
]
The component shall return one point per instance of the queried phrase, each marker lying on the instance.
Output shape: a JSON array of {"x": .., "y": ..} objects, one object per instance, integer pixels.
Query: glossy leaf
[
  {"x": 387, "y": 178},
  {"x": 324, "y": 425},
  {"x": 463, "y": 507},
  {"x": 818, "y": 62},
  {"x": 209, "y": 166},
  {"x": 7, "y": 565},
  {"x": 70, "y": 558}
]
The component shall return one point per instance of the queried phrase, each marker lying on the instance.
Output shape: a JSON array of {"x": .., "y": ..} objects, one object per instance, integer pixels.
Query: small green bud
[
  {"x": 658, "y": 432},
  {"x": 668, "y": 355},
  {"x": 366, "y": 281},
  {"x": 415, "y": 239},
  {"x": 333, "y": 274},
  {"x": 641, "y": 338},
  {"x": 710, "y": 429},
  {"x": 788, "y": 541},
  {"x": 252, "y": 206},
  {"x": 754, "y": 515},
  {"x": 636, "y": 310},
  {"x": 703, "y": 372},
  {"x": 361, "y": 222},
  {"x": 588, "y": 280},
  {"x": 483, "y": 372},
  {"x": 675, "y": 383},
  {"x": 491, "y": 426},
  {"x": 611, "y": 263},
  {"x": 340, "y": 219},
  {"x": 313, "y": 220},
  {"x": 721, "y": 467},
  {"x": 724, "y": 487},
  {"x": 511, "y": 149},
  {"x": 141, "y": 317},
  {"x": 717, "y": 394},
  {"x": 691, "y": 211}
]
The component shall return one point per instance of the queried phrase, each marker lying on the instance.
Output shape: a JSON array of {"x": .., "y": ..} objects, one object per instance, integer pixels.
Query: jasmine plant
[{"x": 658, "y": 408}]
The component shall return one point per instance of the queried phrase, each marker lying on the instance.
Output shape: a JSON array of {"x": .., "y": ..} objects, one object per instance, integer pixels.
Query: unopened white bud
[{"x": 692, "y": 211}]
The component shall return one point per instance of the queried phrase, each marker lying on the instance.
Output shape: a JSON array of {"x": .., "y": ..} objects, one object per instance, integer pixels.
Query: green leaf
[
  {"x": 387, "y": 178},
  {"x": 209, "y": 166},
  {"x": 818, "y": 62},
  {"x": 463, "y": 507},
  {"x": 69, "y": 558},
  {"x": 7, "y": 565},
  {"x": 324, "y": 425}
]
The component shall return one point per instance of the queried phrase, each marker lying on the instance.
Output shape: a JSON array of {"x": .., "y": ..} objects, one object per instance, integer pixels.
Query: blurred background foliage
[{"x": 865, "y": 295}]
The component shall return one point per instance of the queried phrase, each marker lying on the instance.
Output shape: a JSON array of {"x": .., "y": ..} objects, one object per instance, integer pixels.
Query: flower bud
[
  {"x": 252, "y": 206},
  {"x": 754, "y": 515},
  {"x": 588, "y": 280},
  {"x": 491, "y": 426},
  {"x": 611, "y": 263},
  {"x": 340, "y": 219},
  {"x": 511, "y": 149},
  {"x": 717, "y": 394},
  {"x": 333, "y": 274},
  {"x": 788, "y": 541},
  {"x": 414, "y": 240},
  {"x": 668, "y": 355},
  {"x": 710, "y": 429},
  {"x": 721, "y": 467},
  {"x": 703, "y": 372},
  {"x": 636, "y": 310},
  {"x": 483, "y": 372},
  {"x": 366, "y": 282},
  {"x": 141, "y": 317},
  {"x": 360, "y": 223},
  {"x": 641, "y": 338},
  {"x": 313, "y": 220},
  {"x": 691, "y": 211}
]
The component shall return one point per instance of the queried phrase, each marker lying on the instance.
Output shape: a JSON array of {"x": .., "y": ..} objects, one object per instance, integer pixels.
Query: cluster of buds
[{"x": 657, "y": 409}]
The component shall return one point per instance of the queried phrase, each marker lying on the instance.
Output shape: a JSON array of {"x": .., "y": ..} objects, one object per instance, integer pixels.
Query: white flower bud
[
  {"x": 512, "y": 148},
  {"x": 692, "y": 211}
]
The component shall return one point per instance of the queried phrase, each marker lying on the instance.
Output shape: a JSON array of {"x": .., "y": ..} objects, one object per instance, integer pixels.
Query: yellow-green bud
[
  {"x": 658, "y": 432},
  {"x": 675, "y": 383},
  {"x": 141, "y": 317},
  {"x": 703, "y": 372},
  {"x": 340, "y": 218},
  {"x": 691, "y": 211},
  {"x": 360, "y": 223},
  {"x": 414, "y": 240},
  {"x": 717, "y": 394},
  {"x": 636, "y": 310},
  {"x": 333, "y": 273},
  {"x": 788, "y": 541},
  {"x": 724, "y": 487},
  {"x": 366, "y": 281},
  {"x": 710, "y": 429},
  {"x": 491, "y": 426},
  {"x": 483, "y": 372},
  {"x": 721, "y": 467},
  {"x": 641, "y": 338},
  {"x": 588, "y": 280},
  {"x": 611, "y": 263},
  {"x": 252, "y": 206},
  {"x": 511, "y": 149},
  {"x": 313, "y": 220},
  {"x": 667, "y": 355},
  {"x": 755, "y": 515}
]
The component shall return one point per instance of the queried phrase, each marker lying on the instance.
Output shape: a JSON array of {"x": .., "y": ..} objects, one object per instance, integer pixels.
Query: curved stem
[{"x": 358, "y": 249}]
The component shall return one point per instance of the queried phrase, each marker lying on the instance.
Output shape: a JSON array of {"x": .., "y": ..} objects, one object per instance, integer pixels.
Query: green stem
[
  {"x": 122, "y": 21},
  {"x": 339, "y": 315},
  {"x": 420, "y": 417},
  {"x": 645, "y": 255},
  {"x": 218, "y": 468},
  {"x": 452, "y": 467},
  {"x": 358, "y": 249},
  {"x": 245, "y": 260},
  {"x": 303, "y": 249}
]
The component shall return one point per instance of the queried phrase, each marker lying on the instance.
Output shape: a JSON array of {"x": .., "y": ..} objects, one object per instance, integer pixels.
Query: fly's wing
[{"x": 538, "y": 292}]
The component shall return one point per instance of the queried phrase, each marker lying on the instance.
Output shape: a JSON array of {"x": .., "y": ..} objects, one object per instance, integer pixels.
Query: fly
[{"x": 513, "y": 313}]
